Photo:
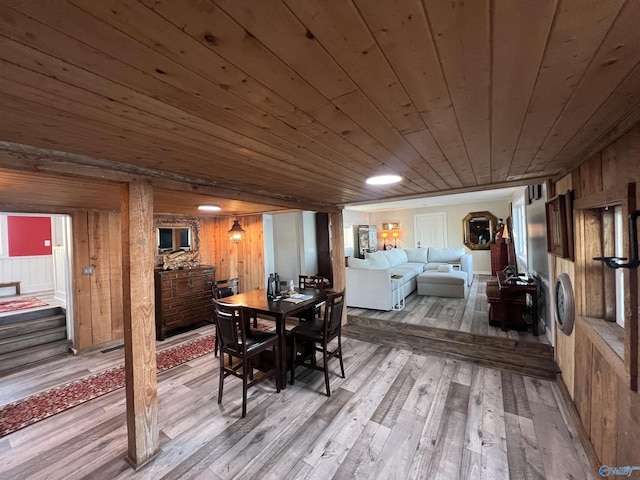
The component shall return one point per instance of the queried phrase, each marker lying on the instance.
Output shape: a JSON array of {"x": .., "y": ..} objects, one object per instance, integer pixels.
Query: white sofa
[{"x": 369, "y": 280}]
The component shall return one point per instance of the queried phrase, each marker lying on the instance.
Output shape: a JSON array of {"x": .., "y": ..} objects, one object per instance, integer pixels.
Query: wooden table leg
[{"x": 281, "y": 330}]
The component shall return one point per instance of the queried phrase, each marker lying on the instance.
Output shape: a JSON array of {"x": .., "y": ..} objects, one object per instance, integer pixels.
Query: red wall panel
[{"x": 29, "y": 236}]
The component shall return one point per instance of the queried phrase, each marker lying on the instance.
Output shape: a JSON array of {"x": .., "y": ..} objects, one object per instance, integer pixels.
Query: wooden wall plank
[
  {"x": 591, "y": 176},
  {"x": 604, "y": 410},
  {"x": 628, "y": 425},
  {"x": 82, "y": 311},
  {"x": 583, "y": 364},
  {"x": 115, "y": 275},
  {"x": 100, "y": 257}
]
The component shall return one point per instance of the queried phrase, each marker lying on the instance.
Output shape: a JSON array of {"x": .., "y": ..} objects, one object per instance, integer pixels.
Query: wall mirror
[
  {"x": 478, "y": 229},
  {"x": 176, "y": 233}
]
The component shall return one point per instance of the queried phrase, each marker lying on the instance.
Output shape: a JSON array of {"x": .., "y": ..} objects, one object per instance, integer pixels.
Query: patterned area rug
[
  {"x": 29, "y": 410},
  {"x": 21, "y": 304}
]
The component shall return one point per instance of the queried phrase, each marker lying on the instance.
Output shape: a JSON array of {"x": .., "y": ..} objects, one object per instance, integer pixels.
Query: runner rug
[
  {"x": 34, "y": 408},
  {"x": 21, "y": 304}
]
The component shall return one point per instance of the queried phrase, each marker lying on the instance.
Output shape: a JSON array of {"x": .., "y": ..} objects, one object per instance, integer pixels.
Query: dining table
[{"x": 288, "y": 306}]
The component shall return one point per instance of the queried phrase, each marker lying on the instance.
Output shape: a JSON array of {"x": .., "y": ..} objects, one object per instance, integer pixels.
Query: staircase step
[
  {"x": 37, "y": 325},
  {"x": 31, "y": 315},
  {"x": 32, "y": 339},
  {"x": 13, "y": 361},
  {"x": 523, "y": 357}
]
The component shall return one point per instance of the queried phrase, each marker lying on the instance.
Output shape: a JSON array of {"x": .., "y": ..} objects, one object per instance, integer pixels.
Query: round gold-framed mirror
[{"x": 478, "y": 230}]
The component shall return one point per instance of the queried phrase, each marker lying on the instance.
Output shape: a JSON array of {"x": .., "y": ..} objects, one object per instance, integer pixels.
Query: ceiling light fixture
[
  {"x": 209, "y": 208},
  {"x": 383, "y": 179},
  {"x": 236, "y": 232}
]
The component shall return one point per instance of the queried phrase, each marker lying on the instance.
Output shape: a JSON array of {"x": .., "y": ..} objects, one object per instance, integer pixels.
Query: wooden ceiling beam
[{"x": 27, "y": 158}]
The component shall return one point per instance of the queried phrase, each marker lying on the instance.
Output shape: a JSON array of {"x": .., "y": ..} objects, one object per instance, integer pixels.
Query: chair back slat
[
  {"x": 230, "y": 326},
  {"x": 225, "y": 288},
  {"x": 333, "y": 313}
]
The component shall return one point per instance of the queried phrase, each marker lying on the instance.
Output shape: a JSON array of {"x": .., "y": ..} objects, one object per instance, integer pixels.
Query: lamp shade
[
  {"x": 384, "y": 234},
  {"x": 236, "y": 232}
]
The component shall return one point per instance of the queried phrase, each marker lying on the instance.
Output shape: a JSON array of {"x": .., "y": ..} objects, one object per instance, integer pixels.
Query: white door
[{"x": 431, "y": 230}]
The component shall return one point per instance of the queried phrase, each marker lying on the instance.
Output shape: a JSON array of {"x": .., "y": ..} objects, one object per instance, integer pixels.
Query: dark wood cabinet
[
  {"x": 511, "y": 300},
  {"x": 183, "y": 298},
  {"x": 499, "y": 257}
]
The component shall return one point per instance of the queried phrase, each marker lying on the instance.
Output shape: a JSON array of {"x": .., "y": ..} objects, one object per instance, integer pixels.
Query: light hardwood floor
[
  {"x": 396, "y": 415},
  {"x": 458, "y": 314}
]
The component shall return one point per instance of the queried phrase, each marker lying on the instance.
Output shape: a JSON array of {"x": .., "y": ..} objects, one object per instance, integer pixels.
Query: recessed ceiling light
[
  {"x": 383, "y": 179},
  {"x": 209, "y": 208}
]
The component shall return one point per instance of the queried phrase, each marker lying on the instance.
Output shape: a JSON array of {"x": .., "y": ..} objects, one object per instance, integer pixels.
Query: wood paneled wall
[
  {"x": 97, "y": 242},
  {"x": 244, "y": 260},
  {"x": 97, "y": 298},
  {"x": 596, "y": 377}
]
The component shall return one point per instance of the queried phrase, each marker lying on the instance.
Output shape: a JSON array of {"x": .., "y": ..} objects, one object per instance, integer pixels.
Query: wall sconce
[
  {"x": 615, "y": 262},
  {"x": 236, "y": 232}
]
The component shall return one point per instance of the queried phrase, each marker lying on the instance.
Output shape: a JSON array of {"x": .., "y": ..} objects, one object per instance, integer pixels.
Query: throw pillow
[{"x": 445, "y": 268}]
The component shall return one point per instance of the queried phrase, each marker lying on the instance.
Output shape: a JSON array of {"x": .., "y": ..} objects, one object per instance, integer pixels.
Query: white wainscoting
[
  {"x": 59, "y": 273},
  {"x": 35, "y": 274}
]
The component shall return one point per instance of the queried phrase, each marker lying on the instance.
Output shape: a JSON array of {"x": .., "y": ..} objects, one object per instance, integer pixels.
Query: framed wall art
[{"x": 559, "y": 212}]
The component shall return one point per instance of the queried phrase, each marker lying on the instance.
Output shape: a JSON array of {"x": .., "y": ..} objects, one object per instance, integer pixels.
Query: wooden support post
[
  {"x": 336, "y": 229},
  {"x": 138, "y": 255}
]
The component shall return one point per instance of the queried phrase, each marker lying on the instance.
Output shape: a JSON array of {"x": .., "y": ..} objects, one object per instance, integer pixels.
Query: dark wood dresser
[{"x": 183, "y": 298}]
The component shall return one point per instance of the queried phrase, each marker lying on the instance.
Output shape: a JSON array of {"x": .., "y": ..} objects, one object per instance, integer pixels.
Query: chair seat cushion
[
  {"x": 258, "y": 338},
  {"x": 312, "y": 329}
]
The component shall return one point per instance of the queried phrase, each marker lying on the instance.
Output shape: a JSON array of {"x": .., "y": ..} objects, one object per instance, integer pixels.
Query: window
[
  {"x": 520, "y": 230},
  {"x": 619, "y": 272},
  {"x": 349, "y": 245}
]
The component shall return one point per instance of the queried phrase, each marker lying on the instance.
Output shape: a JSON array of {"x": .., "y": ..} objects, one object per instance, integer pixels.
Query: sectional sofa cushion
[
  {"x": 363, "y": 264},
  {"x": 396, "y": 256},
  {"x": 379, "y": 258},
  {"x": 445, "y": 255},
  {"x": 416, "y": 255}
]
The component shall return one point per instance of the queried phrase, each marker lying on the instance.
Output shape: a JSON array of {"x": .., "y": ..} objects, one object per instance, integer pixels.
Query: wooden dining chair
[
  {"x": 239, "y": 346},
  {"x": 320, "y": 332},
  {"x": 312, "y": 281},
  {"x": 227, "y": 288}
]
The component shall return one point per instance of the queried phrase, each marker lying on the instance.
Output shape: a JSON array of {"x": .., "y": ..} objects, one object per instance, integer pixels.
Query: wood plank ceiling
[{"x": 294, "y": 103}]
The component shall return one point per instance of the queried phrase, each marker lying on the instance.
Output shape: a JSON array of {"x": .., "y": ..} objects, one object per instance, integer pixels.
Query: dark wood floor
[{"x": 398, "y": 414}]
